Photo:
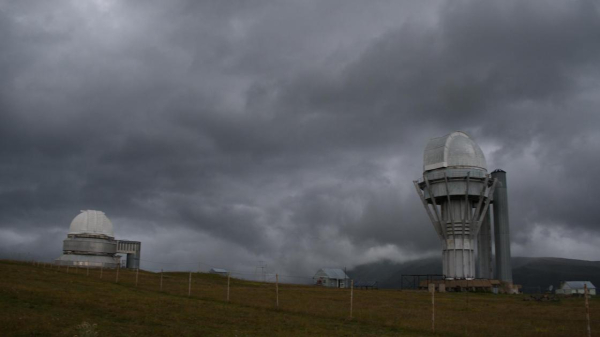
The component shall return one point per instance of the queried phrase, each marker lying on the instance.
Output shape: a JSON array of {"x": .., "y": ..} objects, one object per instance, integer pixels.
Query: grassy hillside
[{"x": 43, "y": 301}]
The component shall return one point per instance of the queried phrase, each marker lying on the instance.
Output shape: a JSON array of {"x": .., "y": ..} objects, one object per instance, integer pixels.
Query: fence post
[
  {"x": 433, "y": 310},
  {"x": 190, "y": 285},
  {"x": 587, "y": 309},
  {"x": 161, "y": 274},
  {"x": 468, "y": 291},
  {"x": 117, "y": 279},
  {"x": 67, "y": 269},
  {"x": 137, "y": 271},
  {"x": 228, "y": 276},
  {"x": 277, "y": 290},
  {"x": 88, "y": 271},
  {"x": 351, "y": 296},
  {"x": 101, "y": 268}
]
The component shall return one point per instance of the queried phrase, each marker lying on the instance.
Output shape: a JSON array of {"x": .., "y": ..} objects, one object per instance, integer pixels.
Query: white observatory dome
[
  {"x": 453, "y": 150},
  {"x": 92, "y": 222}
]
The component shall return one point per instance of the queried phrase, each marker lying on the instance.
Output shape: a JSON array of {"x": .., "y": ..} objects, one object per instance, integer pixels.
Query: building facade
[
  {"x": 331, "y": 278},
  {"x": 576, "y": 287}
]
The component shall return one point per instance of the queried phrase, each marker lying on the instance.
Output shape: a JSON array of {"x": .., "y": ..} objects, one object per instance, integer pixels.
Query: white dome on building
[
  {"x": 454, "y": 150},
  {"x": 92, "y": 222}
]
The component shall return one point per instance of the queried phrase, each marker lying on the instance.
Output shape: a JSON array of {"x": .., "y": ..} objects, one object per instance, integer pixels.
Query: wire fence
[
  {"x": 325, "y": 302},
  {"x": 333, "y": 303},
  {"x": 420, "y": 310}
]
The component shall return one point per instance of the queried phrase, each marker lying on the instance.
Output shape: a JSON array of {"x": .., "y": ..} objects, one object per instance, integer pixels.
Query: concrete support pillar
[
  {"x": 501, "y": 228},
  {"x": 484, "y": 249},
  {"x": 133, "y": 261}
]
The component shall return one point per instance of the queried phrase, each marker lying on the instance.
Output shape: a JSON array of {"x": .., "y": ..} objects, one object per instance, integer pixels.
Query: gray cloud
[{"x": 290, "y": 132}]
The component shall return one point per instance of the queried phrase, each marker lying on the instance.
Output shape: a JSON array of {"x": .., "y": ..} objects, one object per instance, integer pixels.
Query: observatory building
[
  {"x": 91, "y": 243},
  {"x": 457, "y": 193}
]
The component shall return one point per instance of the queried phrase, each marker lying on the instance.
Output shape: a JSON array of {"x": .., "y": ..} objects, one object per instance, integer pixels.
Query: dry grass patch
[{"x": 44, "y": 301}]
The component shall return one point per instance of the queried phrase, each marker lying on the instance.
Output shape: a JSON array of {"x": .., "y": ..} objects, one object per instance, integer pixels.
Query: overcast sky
[{"x": 232, "y": 132}]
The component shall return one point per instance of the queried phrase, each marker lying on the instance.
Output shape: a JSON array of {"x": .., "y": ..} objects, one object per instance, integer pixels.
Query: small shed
[
  {"x": 331, "y": 278},
  {"x": 219, "y": 271},
  {"x": 576, "y": 287}
]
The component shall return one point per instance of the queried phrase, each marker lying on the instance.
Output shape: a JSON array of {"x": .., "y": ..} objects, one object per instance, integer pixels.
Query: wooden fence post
[
  {"x": 468, "y": 291},
  {"x": 161, "y": 275},
  {"x": 433, "y": 310},
  {"x": 137, "y": 271},
  {"x": 67, "y": 269},
  {"x": 101, "y": 268},
  {"x": 277, "y": 290},
  {"x": 190, "y": 285},
  {"x": 88, "y": 271},
  {"x": 228, "y": 276},
  {"x": 587, "y": 309},
  {"x": 351, "y": 296},
  {"x": 117, "y": 279}
]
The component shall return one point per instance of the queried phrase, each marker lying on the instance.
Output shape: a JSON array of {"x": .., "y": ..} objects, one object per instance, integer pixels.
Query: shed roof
[
  {"x": 334, "y": 273},
  {"x": 578, "y": 284}
]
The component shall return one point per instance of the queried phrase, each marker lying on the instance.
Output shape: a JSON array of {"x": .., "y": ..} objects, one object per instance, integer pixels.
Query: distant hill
[{"x": 533, "y": 273}]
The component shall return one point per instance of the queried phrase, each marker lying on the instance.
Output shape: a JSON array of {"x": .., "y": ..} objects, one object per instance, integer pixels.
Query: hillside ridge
[{"x": 533, "y": 273}]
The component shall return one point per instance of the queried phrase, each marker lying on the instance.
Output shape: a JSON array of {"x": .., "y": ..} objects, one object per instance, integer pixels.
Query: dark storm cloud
[{"x": 289, "y": 133}]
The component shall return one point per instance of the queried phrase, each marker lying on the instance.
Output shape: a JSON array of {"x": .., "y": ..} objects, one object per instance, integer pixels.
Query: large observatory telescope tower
[{"x": 456, "y": 191}]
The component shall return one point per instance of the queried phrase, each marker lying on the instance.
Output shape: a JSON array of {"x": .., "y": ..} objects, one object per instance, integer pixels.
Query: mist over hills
[{"x": 533, "y": 273}]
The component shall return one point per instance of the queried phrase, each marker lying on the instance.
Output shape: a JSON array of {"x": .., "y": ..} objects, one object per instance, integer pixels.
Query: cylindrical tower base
[{"x": 459, "y": 258}]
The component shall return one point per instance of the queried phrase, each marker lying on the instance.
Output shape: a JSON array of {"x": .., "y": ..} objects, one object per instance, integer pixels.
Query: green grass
[{"x": 44, "y": 301}]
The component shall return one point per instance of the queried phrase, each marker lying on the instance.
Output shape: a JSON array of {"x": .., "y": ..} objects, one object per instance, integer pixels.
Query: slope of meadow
[{"x": 38, "y": 300}]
